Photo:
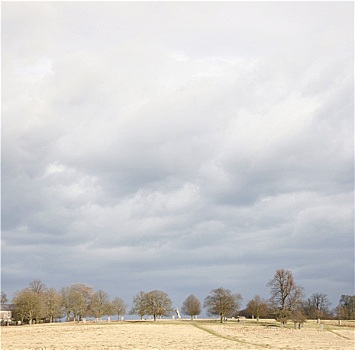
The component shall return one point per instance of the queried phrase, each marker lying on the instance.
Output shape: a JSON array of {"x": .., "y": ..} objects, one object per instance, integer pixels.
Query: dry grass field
[{"x": 178, "y": 334}]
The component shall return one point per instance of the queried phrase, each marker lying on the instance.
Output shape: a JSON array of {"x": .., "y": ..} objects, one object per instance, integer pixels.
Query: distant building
[{"x": 6, "y": 313}]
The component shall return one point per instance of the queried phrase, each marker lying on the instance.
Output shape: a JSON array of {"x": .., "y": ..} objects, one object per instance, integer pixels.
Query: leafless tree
[
  {"x": 317, "y": 306},
  {"x": 346, "y": 307},
  {"x": 191, "y": 306},
  {"x": 286, "y": 296},
  {"x": 37, "y": 286},
  {"x": 99, "y": 304},
  {"x": 4, "y": 298},
  {"x": 157, "y": 303},
  {"x": 257, "y": 307},
  {"x": 28, "y": 306},
  {"x": 76, "y": 300},
  {"x": 52, "y": 304},
  {"x": 222, "y": 302},
  {"x": 118, "y": 307},
  {"x": 139, "y": 307}
]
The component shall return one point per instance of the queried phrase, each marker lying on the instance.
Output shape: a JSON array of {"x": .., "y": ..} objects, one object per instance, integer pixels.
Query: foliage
[
  {"x": 191, "y": 306},
  {"x": 222, "y": 302}
]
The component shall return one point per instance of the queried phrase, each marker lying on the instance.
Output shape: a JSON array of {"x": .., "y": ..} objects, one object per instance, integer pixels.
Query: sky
[{"x": 178, "y": 146}]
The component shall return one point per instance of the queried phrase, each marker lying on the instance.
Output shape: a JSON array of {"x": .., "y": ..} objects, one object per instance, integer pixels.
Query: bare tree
[
  {"x": 37, "y": 286},
  {"x": 191, "y": 306},
  {"x": 118, "y": 307},
  {"x": 346, "y": 308},
  {"x": 81, "y": 295},
  {"x": 286, "y": 296},
  {"x": 257, "y": 307},
  {"x": 76, "y": 300},
  {"x": 317, "y": 306},
  {"x": 52, "y": 304},
  {"x": 28, "y": 306},
  {"x": 158, "y": 304},
  {"x": 4, "y": 299},
  {"x": 99, "y": 304},
  {"x": 222, "y": 302},
  {"x": 139, "y": 307},
  {"x": 66, "y": 301}
]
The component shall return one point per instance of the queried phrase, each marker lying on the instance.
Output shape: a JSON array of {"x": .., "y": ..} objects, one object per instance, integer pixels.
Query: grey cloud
[{"x": 177, "y": 146}]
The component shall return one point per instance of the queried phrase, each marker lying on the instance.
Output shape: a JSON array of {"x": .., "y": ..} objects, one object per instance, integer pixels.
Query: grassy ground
[{"x": 179, "y": 334}]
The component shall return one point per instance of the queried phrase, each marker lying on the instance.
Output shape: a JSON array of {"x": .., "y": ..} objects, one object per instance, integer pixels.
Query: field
[{"x": 178, "y": 334}]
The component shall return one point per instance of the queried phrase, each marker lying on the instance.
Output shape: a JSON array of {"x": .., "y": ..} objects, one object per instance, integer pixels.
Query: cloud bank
[{"x": 178, "y": 146}]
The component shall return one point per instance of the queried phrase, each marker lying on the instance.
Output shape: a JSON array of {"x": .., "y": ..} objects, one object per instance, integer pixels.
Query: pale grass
[{"x": 178, "y": 334}]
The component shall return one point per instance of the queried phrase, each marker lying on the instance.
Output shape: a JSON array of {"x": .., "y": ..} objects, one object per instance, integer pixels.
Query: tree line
[{"x": 75, "y": 302}]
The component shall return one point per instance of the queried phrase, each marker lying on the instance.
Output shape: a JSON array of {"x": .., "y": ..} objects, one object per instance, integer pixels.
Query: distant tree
[
  {"x": 257, "y": 307},
  {"x": 66, "y": 301},
  {"x": 4, "y": 299},
  {"x": 346, "y": 308},
  {"x": 81, "y": 296},
  {"x": 52, "y": 304},
  {"x": 191, "y": 306},
  {"x": 118, "y": 307},
  {"x": 37, "y": 286},
  {"x": 317, "y": 306},
  {"x": 28, "y": 306},
  {"x": 286, "y": 296},
  {"x": 99, "y": 305},
  {"x": 139, "y": 307},
  {"x": 222, "y": 302},
  {"x": 76, "y": 300},
  {"x": 298, "y": 317},
  {"x": 157, "y": 303}
]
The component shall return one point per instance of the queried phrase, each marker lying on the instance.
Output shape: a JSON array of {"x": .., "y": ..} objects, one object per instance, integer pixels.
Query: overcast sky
[{"x": 179, "y": 146}]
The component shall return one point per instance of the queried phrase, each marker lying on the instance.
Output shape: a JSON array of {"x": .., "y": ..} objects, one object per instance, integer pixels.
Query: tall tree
[
  {"x": 66, "y": 301},
  {"x": 52, "y": 304},
  {"x": 191, "y": 306},
  {"x": 118, "y": 307},
  {"x": 28, "y": 306},
  {"x": 99, "y": 305},
  {"x": 257, "y": 307},
  {"x": 139, "y": 307},
  {"x": 76, "y": 300},
  {"x": 222, "y": 302},
  {"x": 286, "y": 296},
  {"x": 317, "y": 306},
  {"x": 158, "y": 304},
  {"x": 80, "y": 295}
]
